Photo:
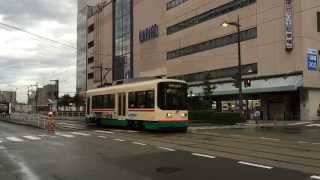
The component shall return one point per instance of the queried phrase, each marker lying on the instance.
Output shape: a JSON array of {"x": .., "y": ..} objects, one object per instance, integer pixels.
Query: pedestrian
[{"x": 257, "y": 115}]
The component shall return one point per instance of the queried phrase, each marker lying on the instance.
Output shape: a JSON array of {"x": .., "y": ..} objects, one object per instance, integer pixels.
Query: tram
[
  {"x": 5, "y": 110},
  {"x": 158, "y": 104}
]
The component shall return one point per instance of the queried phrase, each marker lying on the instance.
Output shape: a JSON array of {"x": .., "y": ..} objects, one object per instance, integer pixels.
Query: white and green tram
[{"x": 158, "y": 104}]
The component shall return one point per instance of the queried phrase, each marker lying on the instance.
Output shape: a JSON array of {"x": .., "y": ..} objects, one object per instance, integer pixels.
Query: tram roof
[{"x": 133, "y": 83}]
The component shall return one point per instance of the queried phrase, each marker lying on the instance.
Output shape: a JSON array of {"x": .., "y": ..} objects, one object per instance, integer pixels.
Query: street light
[{"x": 237, "y": 25}]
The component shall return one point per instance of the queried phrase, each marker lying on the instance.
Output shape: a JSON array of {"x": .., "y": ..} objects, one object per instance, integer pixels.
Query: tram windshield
[{"x": 172, "y": 96}]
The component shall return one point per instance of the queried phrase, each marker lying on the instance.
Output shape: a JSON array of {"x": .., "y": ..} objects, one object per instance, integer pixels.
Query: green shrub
[{"x": 208, "y": 116}]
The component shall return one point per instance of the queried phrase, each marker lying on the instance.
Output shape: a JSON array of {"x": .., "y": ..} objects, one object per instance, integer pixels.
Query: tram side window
[
  {"x": 150, "y": 99},
  {"x": 97, "y": 101},
  {"x": 141, "y": 99},
  {"x": 108, "y": 101}
]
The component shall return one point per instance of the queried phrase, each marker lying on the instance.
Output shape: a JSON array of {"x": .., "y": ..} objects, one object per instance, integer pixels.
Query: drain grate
[{"x": 168, "y": 170}]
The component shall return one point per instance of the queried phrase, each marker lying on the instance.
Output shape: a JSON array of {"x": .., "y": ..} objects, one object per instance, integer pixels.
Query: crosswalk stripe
[
  {"x": 108, "y": 132},
  {"x": 65, "y": 135},
  {"x": 81, "y": 134},
  {"x": 14, "y": 139},
  {"x": 315, "y": 177},
  {"x": 32, "y": 137},
  {"x": 103, "y": 137},
  {"x": 313, "y": 125}
]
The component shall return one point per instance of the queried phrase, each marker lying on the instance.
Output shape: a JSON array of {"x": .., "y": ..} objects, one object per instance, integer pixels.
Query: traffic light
[
  {"x": 247, "y": 83},
  {"x": 235, "y": 81}
]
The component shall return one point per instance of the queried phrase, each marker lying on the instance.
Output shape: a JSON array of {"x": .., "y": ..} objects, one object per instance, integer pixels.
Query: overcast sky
[{"x": 26, "y": 60}]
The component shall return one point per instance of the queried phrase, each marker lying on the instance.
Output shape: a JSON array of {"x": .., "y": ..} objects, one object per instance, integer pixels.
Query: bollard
[{"x": 51, "y": 123}]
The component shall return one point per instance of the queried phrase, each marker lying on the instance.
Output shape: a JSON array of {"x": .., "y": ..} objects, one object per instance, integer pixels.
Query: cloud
[{"x": 25, "y": 59}]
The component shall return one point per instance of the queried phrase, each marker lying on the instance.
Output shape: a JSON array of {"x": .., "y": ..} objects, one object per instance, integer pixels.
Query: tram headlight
[
  {"x": 184, "y": 114},
  {"x": 169, "y": 115}
]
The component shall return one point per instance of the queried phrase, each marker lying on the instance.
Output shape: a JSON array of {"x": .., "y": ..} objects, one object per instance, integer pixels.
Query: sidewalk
[{"x": 248, "y": 124}]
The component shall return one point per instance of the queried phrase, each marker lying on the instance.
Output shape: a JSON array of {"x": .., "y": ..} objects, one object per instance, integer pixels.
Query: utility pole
[
  {"x": 28, "y": 101},
  {"x": 239, "y": 79},
  {"x": 100, "y": 67}
]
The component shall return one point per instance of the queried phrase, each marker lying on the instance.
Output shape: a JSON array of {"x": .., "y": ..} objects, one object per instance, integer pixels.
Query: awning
[{"x": 267, "y": 85}]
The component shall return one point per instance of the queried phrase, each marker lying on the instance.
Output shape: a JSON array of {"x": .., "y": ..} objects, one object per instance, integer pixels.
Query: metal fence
[{"x": 39, "y": 120}]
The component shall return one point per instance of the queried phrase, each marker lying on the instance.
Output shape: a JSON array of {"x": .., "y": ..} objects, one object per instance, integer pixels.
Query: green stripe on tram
[
  {"x": 114, "y": 122},
  {"x": 165, "y": 125}
]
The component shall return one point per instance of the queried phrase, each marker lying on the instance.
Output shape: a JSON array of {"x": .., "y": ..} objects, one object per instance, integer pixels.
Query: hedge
[{"x": 207, "y": 116}]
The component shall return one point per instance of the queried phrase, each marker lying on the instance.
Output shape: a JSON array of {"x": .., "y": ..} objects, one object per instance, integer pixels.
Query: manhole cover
[{"x": 168, "y": 170}]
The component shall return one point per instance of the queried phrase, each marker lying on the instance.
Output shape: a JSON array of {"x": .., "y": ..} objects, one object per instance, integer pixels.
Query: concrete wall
[
  {"x": 310, "y": 104},
  {"x": 102, "y": 50}
]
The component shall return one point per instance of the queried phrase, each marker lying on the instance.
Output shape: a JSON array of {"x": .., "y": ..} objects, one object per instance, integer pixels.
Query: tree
[
  {"x": 65, "y": 100},
  {"x": 78, "y": 101}
]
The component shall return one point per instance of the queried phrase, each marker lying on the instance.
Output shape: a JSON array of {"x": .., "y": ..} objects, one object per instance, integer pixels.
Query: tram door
[{"x": 122, "y": 105}]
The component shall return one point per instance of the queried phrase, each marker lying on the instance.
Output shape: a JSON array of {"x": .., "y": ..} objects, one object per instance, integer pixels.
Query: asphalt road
[{"x": 31, "y": 154}]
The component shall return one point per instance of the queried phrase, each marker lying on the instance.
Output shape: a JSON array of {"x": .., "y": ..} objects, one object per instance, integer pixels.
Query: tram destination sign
[{"x": 149, "y": 33}]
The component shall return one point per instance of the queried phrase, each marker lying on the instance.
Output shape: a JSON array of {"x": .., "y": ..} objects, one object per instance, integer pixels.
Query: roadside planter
[{"x": 223, "y": 118}]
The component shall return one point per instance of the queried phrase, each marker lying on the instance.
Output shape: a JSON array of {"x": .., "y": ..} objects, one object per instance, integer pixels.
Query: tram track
[{"x": 282, "y": 152}]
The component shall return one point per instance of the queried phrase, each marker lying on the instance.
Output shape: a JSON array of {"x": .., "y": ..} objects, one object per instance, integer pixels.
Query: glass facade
[
  {"x": 122, "y": 39},
  {"x": 212, "y": 44},
  {"x": 211, "y": 14},
  {"x": 85, "y": 10},
  {"x": 175, "y": 3}
]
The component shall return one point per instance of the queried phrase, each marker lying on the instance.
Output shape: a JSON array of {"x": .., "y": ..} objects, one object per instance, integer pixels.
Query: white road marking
[
  {"x": 14, "y": 139},
  {"x": 103, "y": 137},
  {"x": 32, "y": 137},
  {"x": 108, "y": 132},
  {"x": 313, "y": 125},
  {"x": 121, "y": 140},
  {"x": 1, "y": 141},
  {"x": 236, "y": 135},
  {"x": 304, "y": 142},
  {"x": 43, "y": 135},
  {"x": 165, "y": 148},
  {"x": 81, "y": 134},
  {"x": 138, "y": 143},
  {"x": 203, "y": 155},
  {"x": 316, "y": 143},
  {"x": 272, "y": 139},
  {"x": 65, "y": 135},
  {"x": 315, "y": 177},
  {"x": 255, "y": 165}
]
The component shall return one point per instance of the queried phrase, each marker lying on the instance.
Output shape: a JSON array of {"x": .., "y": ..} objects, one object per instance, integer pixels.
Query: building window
[
  {"x": 247, "y": 69},
  {"x": 90, "y": 76},
  {"x": 90, "y": 60},
  {"x": 175, "y": 3},
  {"x": 90, "y": 44},
  {"x": 91, "y": 28},
  {"x": 123, "y": 39},
  {"x": 211, "y": 14},
  {"x": 212, "y": 44}
]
